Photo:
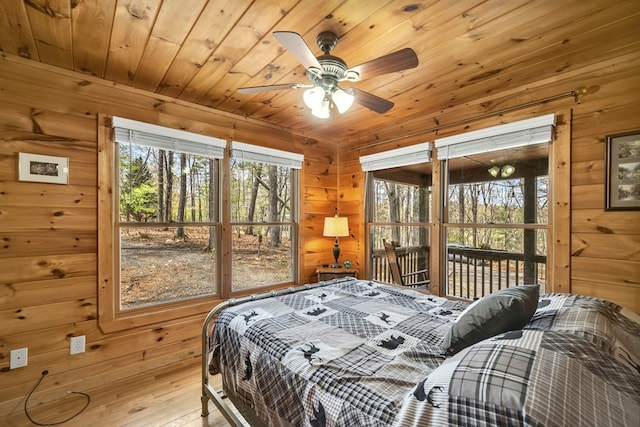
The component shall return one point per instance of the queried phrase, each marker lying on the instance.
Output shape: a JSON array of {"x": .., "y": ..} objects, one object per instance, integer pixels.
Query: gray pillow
[{"x": 501, "y": 311}]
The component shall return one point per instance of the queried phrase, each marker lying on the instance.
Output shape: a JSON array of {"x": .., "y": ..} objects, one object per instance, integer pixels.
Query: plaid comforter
[
  {"x": 365, "y": 354},
  {"x": 577, "y": 363}
]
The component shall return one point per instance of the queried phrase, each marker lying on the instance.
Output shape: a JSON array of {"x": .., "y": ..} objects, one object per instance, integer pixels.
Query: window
[
  {"x": 496, "y": 207},
  {"x": 159, "y": 226},
  {"x": 263, "y": 216},
  {"x": 398, "y": 209}
]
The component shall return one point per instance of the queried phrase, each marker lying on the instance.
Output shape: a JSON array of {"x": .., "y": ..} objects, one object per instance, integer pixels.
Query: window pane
[
  {"x": 501, "y": 258},
  {"x": 262, "y": 255},
  {"x": 501, "y": 187},
  {"x": 165, "y": 186},
  {"x": 402, "y": 194},
  {"x": 156, "y": 268},
  {"x": 401, "y": 198},
  {"x": 252, "y": 198},
  {"x": 412, "y": 247}
]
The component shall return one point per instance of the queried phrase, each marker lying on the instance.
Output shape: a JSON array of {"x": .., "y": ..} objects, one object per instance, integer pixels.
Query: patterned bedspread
[
  {"x": 577, "y": 363},
  {"x": 365, "y": 354},
  {"x": 340, "y": 355}
]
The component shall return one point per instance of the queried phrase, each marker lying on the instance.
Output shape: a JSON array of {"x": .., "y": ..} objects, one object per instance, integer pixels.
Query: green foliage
[
  {"x": 140, "y": 203},
  {"x": 138, "y": 190}
]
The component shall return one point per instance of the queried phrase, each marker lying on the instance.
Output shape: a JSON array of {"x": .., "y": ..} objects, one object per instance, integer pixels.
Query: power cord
[{"x": 26, "y": 401}]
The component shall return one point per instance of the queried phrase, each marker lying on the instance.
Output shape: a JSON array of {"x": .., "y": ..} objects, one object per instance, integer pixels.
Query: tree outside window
[
  {"x": 263, "y": 224},
  {"x": 400, "y": 213},
  {"x": 496, "y": 227},
  {"x": 167, "y": 226}
]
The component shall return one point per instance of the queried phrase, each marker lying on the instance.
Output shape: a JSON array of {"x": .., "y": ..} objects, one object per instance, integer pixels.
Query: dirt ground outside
[{"x": 156, "y": 267}]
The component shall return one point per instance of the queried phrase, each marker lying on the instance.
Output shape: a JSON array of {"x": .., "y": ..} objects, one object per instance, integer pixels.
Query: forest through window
[
  {"x": 494, "y": 219},
  {"x": 262, "y": 217},
  {"x": 167, "y": 225}
]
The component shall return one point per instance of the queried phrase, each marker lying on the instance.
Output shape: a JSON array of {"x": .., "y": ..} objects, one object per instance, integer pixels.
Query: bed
[{"x": 357, "y": 352}]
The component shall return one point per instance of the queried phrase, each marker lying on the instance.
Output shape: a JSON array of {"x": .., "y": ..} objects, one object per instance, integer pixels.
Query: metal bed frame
[{"x": 218, "y": 397}]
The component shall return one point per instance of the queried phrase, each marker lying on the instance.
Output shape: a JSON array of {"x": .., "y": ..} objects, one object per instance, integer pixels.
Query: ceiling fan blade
[
  {"x": 396, "y": 61},
  {"x": 297, "y": 47},
  {"x": 255, "y": 89},
  {"x": 372, "y": 102}
]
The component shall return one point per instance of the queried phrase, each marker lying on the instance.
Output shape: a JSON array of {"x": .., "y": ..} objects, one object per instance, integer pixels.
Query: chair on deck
[{"x": 414, "y": 278}]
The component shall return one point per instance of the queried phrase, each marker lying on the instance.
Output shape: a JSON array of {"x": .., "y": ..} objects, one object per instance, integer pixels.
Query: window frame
[
  {"x": 446, "y": 225},
  {"x": 395, "y": 158},
  {"x": 527, "y": 132},
  {"x": 274, "y": 157},
  {"x": 558, "y": 226},
  {"x": 110, "y": 317}
]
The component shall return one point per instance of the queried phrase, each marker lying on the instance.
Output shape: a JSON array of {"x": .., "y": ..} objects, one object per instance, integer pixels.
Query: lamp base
[{"x": 336, "y": 255}]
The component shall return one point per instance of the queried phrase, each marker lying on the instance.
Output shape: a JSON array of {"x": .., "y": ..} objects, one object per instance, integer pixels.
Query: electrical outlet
[
  {"x": 76, "y": 345},
  {"x": 18, "y": 358}
]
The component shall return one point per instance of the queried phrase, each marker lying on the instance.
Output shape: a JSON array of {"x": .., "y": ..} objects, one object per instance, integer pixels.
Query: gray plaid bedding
[
  {"x": 577, "y": 363},
  {"x": 359, "y": 353}
]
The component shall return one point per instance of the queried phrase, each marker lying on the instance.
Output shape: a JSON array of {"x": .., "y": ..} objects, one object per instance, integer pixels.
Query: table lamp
[{"x": 336, "y": 226}]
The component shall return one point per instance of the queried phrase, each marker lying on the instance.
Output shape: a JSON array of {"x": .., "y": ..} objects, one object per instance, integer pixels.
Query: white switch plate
[
  {"x": 18, "y": 358},
  {"x": 76, "y": 345}
]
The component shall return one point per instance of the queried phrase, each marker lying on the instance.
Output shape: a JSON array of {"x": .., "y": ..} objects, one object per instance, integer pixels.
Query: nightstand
[{"x": 328, "y": 273}]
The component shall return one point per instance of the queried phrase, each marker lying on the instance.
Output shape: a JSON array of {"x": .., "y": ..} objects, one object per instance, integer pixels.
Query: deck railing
[
  {"x": 472, "y": 273},
  {"x": 410, "y": 258}
]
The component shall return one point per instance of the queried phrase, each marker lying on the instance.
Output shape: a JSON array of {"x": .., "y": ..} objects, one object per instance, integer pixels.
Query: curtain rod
[{"x": 574, "y": 93}]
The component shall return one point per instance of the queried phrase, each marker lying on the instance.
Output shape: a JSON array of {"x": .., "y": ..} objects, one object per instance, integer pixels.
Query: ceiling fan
[{"x": 326, "y": 71}]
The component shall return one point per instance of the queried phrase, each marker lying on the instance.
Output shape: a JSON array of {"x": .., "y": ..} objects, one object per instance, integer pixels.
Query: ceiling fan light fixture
[
  {"x": 322, "y": 112},
  {"x": 494, "y": 171},
  {"x": 507, "y": 171},
  {"x": 343, "y": 100},
  {"x": 326, "y": 71},
  {"x": 314, "y": 97}
]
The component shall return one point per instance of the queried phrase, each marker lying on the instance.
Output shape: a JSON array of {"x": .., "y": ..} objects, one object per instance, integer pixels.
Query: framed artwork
[
  {"x": 623, "y": 172},
  {"x": 39, "y": 168}
]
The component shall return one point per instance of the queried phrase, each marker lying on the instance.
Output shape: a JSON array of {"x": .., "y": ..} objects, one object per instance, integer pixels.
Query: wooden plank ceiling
[{"x": 202, "y": 51}]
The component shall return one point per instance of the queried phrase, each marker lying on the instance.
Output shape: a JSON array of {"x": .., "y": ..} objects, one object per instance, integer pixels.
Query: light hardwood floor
[{"x": 166, "y": 397}]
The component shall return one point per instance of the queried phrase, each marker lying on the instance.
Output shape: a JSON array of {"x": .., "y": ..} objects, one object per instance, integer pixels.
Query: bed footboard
[{"x": 208, "y": 392}]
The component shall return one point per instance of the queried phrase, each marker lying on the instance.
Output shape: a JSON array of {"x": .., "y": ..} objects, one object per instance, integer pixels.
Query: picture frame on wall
[
  {"x": 41, "y": 168},
  {"x": 623, "y": 171}
]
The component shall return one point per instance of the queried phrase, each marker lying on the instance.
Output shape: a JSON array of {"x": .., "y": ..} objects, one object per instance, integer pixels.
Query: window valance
[
  {"x": 511, "y": 135},
  {"x": 418, "y": 153},
  {"x": 271, "y": 156},
  {"x": 164, "y": 138}
]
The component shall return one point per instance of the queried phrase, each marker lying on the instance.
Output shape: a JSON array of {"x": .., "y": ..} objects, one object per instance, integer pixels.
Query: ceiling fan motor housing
[
  {"x": 327, "y": 40},
  {"x": 334, "y": 69}
]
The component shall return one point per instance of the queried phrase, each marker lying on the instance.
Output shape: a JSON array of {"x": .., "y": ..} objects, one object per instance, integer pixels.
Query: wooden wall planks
[
  {"x": 49, "y": 234},
  {"x": 48, "y": 257}
]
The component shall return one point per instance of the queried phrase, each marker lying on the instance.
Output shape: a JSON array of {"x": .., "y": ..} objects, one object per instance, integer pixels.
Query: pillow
[{"x": 504, "y": 310}]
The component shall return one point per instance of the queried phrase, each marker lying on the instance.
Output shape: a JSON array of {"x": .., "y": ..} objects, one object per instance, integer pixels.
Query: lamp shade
[
  {"x": 494, "y": 171},
  {"x": 507, "y": 171},
  {"x": 313, "y": 97},
  {"x": 336, "y": 226},
  {"x": 343, "y": 100},
  {"x": 322, "y": 112}
]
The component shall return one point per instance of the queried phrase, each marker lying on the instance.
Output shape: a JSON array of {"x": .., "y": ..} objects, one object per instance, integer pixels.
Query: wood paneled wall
[
  {"x": 48, "y": 257},
  {"x": 604, "y": 245}
]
